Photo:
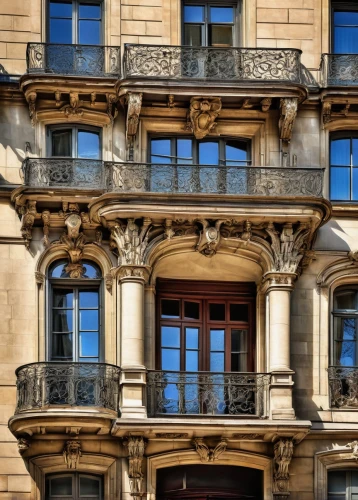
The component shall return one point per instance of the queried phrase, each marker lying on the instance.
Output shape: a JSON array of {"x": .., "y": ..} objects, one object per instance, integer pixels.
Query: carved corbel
[
  {"x": 247, "y": 104},
  {"x": 31, "y": 100},
  {"x": 168, "y": 229},
  {"x": 209, "y": 239},
  {"x": 93, "y": 97},
  {"x": 27, "y": 221},
  {"x": 58, "y": 98},
  {"x": 207, "y": 454},
  {"x": 266, "y": 104},
  {"x": 288, "y": 112},
  {"x": 326, "y": 112},
  {"x": 109, "y": 282},
  {"x": 46, "y": 218},
  {"x": 134, "y": 105},
  {"x": 203, "y": 112},
  {"x": 130, "y": 241},
  {"x": 136, "y": 447},
  {"x": 23, "y": 444},
  {"x": 112, "y": 110},
  {"x": 354, "y": 447},
  {"x": 73, "y": 109},
  {"x": 73, "y": 240},
  {"x": 40, "y": 278},
  {"x": 288, "y": 246},
  {"x": 283, "y": 451},
  {"x": 72, "y": 453}
]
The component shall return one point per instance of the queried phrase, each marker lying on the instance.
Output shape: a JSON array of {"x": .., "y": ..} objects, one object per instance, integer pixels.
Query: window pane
[
  {"x": 346, "y": 18},
  {"x": 89, "y": 32},
  {"x": 170, "y": 336},
  {"x": 62, "y": 346},
  {"x": 88, "y": 144},
  {"x": 192, "y": 35},
  {"x": 89, "y": 345},
  {"x": 345, "y": 328},
  {"x": 170, "y": 308},
  {"x": 238, "y": 340},
  {"x": 239, "y": 312},
  {"x": 345, "y": 40},
  {"x": 340, "y": 152},
  {"x": 192, "y": 361},
  {"x": 340, "y": 183},
  {"x": 62, "y": 142},
  {"x": 192, "y": 310},
  {"x": 192, "y": 338},
  {"x": 236, "y": 152},
  {"x": 216, "y": 362},
  {"x": 238, "y": 362},
  {"x": 88, "y": 319},
  {"x": 220, "y": 36},
  {"x": 345, "y": 300},
  {"x": 61, "y": 9},
  {"x": 61, "y": 486},
  {"x": 217, "y": 340},
  {"x": 193, "y": 14},
  {"x": 160, "y": 147},
  {"x": 88, "y": 299},
  {"x": 91, "y": 271},
  {"x": 89, "y": 486},
  {"x": 221, "y": 14},
  {"x": 355, "y": 184},
  {"x": 90, "y": 11},
  {"x": 61, "y": 31},
  {"x": 63, "y": 298},
  {"x": 337, "y": 481},
  {"x": 217, "y": 312},
  {"x": 171, "y": 359},
  {"x": 345, "y": 341},
  {"x": 184, "y": 151},
  {"x": 62, "y": 320},
  {"x": 209, "y": 153}
]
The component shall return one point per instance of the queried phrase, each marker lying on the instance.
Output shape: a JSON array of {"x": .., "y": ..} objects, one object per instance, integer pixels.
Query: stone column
[
  {"x": 278, "y": 287},
  {"x": 133, "y": 375}
]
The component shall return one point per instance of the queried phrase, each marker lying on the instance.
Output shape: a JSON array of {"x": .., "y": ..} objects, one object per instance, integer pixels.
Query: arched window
[
  {"x": 74, "y": 320},
  {"x": 344, "y": 166},
  {"x": 74, "y": 486}
]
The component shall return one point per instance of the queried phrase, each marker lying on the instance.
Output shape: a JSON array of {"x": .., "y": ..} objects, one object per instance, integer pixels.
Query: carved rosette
[
  {"x": 283, "y": 451},
  {"x": 203, "y": 112},
  {"x": 136, "y": 446},
  {"x": 72, "y": 453}
]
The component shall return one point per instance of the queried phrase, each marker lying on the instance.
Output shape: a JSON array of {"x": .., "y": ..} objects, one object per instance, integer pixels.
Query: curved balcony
[
  {"x": 211, "y": 63},
  {"x": 339, "y": 70},
  {"x": 207, "y": 393},
  {"x": 343, "y": 386},
  {"x": 133, "y": 177},
  {"x": 74, "y": 60}
]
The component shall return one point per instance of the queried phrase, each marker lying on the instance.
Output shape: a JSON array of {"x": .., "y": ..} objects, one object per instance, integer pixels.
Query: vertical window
[
  {"x": 73, "y": 487},
  {"x": 75, "y": 22},
  {"x": 342, "y": 485},
  {"x": 209, "y": 24},
  {"x": 345, "y": 28},
  {"x": 345, "y": 316},
  {"x": 75, "y": 142},
  {"x": 344, "y": 167},
  {"x": 74, "y": 319}
]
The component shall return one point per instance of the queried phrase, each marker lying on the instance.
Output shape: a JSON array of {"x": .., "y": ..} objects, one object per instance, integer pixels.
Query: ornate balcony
[
  {"x": 74, "y": 60},
  {"x": 339, "y": 70},
  {"x": 171, "y": 178},
  {"x": 42, "y": 386},
  {"x": 211, "y": 63},
  {"x": 206, "y": 393},
  {"x": 343, "y": 386}
]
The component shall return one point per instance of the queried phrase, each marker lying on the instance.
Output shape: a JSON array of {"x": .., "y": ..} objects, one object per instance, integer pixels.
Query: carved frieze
[
  {"x": 130, "y": 241},
  {"x": 202, "y": 114},
  {"x": 72, "y": 453},
  {"x": 29, "y": 213},
  {"x": 288, "y": 112},
  {"x": 207, "y": 454},
  {"x": 136, "y": 446},
  {"x": 283, "y": 451}
]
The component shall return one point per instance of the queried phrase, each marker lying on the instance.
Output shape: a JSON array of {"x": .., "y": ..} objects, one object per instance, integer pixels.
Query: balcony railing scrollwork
[
  {"x": 339, "y": 70},
  {"x": 43, "y": 385},
  {"x": 232, "y": 63},
  {"x": 343, "y": 386},
  {"x": 206, "y": 393},
  {"x": 71, "y": 59}
]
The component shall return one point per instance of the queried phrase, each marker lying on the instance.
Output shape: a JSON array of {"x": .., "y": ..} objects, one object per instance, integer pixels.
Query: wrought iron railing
[
  {"x": 343, "y": 386},
  {"x": 339, "y": 69},
  {"x": 206, "y": 393},
  {"x": 67, "y": 59},
  {"x": 232, "y": 63},
  {"x": 44, "y": 385},
  {"x": 133, "y": 177}
]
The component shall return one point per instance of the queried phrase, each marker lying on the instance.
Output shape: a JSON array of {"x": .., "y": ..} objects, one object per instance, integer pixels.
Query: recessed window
[
  {"x": 75, "y": 142},
  {"x": 345, "y": 27},
  {"x": 74, "y": 320},
  {"x": 209, "y": 24},
  {"x": 75, "y": 22},
  {"x": 345, "y": 316},
  {"x": 73, "y": 486},
  {"x": 342, "y": 485},
  {"x": 344, "y": 167}
]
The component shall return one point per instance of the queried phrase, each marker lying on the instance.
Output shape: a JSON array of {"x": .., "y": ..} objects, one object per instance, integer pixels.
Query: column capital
[
  {"x": 278, "y": 281},
  {"x": 132, "y": 273}
]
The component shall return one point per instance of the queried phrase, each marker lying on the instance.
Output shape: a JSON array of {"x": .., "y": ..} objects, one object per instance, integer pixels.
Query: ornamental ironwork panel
[
  {"x": 177, "y": 62},
  {"x": 66, "y": 59},
  {"x": 42, "y": 385},
  {"x": 339, "y": 69},
  {"x": 241, "y": 180},
  {"x": 63, "y": 173},
  {"x": 343, "y": 386},
  {"x": 206, "y": 393}
]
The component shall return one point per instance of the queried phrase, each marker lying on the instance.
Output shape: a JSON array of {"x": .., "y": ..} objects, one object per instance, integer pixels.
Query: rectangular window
[
  {"x": 75, "y": 142},
  {"x": 344, "y": 167},
  {"x": 209, "y": 24},
  {"x": 345, "y": 28},
  {"x": 342, "y": 485}
]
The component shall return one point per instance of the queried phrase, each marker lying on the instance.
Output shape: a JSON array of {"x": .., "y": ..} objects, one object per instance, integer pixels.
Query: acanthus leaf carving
[
  {"x": 288, "y": 112},
  {"x": 130, "y": 241},
  {"x": 283, "y": 451},
  {"x": 203, "y": 112},
  {"x": 288, "y": 245},
  {"x": 29, "y": 213},
  {"x": 72, "y": 453},
  {"x": 136, "y": 447},
  {"x": 207, "y": 454}
]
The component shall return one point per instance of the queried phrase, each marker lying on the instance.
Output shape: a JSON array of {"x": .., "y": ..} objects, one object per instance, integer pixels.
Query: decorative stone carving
[
  {"x": 248, "y": 437},
  {"x": 130, "y": 241},
  {"x": 288, "y": 112},
  {"x": 136, "y": 446},
  {"x": 134, "y": 105},
  {"x": 326, "y": 112},
  {"x": 202, "y": 114},
  {"x": 73, "y": 223},
  {"x": 266, "y": 104},
  {"x": 72, "y": 453},
  {"x": 74, "y": 248},
  {"x": 73, "y": 109},
  {"x": 98, "y": 236},
  {"x": 354, "y": 446},
  {"x": 283, "y": 451},
  {"x": 27, "y": 221},
  {"x": 353, "y": 256},
  {"x": 58, "y": 98},
  {"x": 109, "y": 282},
  {"x": 168, "y": 229},
  {"x": 31, "y": 100},
  {"x": 209, "y": 238},
  {"x": 207, "y": 454},
  {"x": 288, "y": 245},
  {"x": 23, "y": 444},
  {"x": 171, "y": 435},
  {"x": 40, "y": 278},
  {"x": 140, "y": 272},
  {"x": 112, "y": 110},
  {"x": 46, "y": 217}
]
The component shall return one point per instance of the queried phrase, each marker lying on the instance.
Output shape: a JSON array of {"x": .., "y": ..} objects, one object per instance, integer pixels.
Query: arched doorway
[{"x": 209, "y": 482}]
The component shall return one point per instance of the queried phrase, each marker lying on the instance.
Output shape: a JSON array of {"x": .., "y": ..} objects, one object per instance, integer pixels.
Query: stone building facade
[{"x": 179, "y": 249}]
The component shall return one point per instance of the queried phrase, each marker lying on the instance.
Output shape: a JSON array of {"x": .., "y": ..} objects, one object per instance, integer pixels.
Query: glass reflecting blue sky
[
  {"x": 193, "y": 14},
  {"x": 89, "y": 345},
  {"x": 88, "y": 145},
  {"x": 221, "y": 14}
]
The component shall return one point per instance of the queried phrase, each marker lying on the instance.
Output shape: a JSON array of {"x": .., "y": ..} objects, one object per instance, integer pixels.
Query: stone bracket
[
  {"x": 134, "y": 105},
  {"x": 288, "y": 112}
]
